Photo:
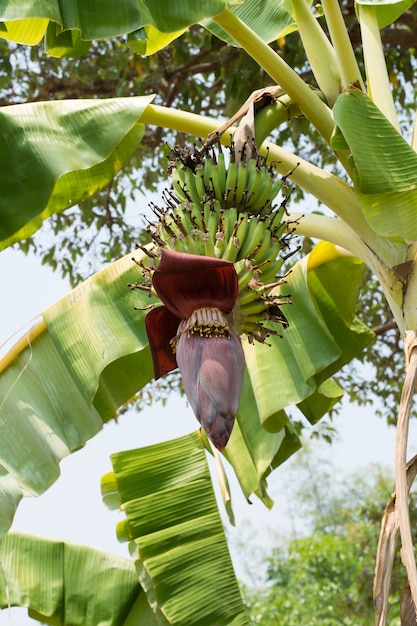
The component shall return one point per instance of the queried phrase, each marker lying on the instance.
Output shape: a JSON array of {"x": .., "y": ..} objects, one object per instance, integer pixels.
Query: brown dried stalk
[{"x": 396, "y": 517}]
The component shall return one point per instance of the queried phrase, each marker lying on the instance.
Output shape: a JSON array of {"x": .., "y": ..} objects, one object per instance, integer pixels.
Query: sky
[{"x": 72, "y": 508}]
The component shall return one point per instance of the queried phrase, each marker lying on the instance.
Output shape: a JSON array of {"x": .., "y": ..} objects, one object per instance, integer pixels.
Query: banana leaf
[
  {"x": 65, "y": 584},
  {"x": 175, "y": 532},
  {"x": 386, "y": 167},
  {"x": 388, "y": 11},
  {"x": 115, "y": 18},
  {"x": 89, "y": 354},
  {"x": 269, "y": 20},
  {"x": 54, "y": 154}
]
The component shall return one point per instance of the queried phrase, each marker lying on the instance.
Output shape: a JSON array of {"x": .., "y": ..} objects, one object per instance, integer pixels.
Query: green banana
[
  {"x": 240, "y": 185},
  {"x": 208, "y": 164},
  {"x": 222, "y": 175},
  {"x": 218, "y": 190},
  {"x": 264, "y": 250},
  {"x": 252, "y": 179},
  {"x": 191, "y": 187},
  {"x": 242, "y": 228},
  {"x": 179, "y": 189},
  {"x": 199, "y": 183},
  {"x": 230, "y": 183},
  {"x": 256, "y": 306},
  {"x": 268, "y": 273},
  {"x": 253, "y": 237},
  {"x": 250, "y": 295}
]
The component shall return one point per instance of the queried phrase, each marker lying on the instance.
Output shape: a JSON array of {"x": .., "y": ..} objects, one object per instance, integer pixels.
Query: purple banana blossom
[{"x": 192, "y": 331}]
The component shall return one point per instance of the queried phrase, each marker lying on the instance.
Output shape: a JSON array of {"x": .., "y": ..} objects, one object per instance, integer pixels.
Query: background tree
[{"x": 323, "y": 573}]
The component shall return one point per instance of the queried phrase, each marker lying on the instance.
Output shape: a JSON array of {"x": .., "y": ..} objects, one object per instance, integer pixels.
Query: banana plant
[{"x": 208, "y": 283}]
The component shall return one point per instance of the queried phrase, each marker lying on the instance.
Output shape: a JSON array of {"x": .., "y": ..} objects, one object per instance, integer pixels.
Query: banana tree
[{"x": 209, "y": 287}]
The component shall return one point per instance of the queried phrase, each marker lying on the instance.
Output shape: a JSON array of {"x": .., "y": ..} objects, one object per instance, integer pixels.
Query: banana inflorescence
[{"x": 219, "y": 208}]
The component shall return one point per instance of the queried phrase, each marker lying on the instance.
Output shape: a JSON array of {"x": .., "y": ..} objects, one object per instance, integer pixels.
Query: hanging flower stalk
[
  {"x": 215, "y": 265},
  {"x": 194, "y": 331}
]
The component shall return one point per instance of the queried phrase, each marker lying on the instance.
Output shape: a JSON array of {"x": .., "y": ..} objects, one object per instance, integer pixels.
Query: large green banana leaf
[
  {"x": 176, "y": 534},
  {"x": 150, "y": 25},
  {"x": 54, "y": 154},
  {"x": 386, "y": 167},
  {"x": 89, "y": 354},
  {"x": 114, "y": 19},
  {"x": 64, "y": 584}
]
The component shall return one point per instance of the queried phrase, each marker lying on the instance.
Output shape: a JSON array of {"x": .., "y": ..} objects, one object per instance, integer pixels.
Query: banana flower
[{"x": 193, "y": 331}]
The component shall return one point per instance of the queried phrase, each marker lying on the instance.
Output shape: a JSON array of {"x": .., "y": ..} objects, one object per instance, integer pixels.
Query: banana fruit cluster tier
[{"x": 215, "y": 263}]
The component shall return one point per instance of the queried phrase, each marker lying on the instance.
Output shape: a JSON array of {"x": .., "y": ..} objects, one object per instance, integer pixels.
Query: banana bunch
[
  {"x": 248, "y": 187},
  {"x": 227, "y": 212}
]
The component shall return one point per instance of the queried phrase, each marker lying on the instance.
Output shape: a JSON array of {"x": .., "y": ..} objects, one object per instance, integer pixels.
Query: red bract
[{"x": 198, "y": 292}]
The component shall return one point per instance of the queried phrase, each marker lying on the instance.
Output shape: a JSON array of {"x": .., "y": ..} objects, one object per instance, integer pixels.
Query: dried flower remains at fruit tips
[{"x": 193, "y": 331}]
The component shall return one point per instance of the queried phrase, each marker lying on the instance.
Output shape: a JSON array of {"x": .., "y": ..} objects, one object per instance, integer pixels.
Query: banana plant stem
[
  {"x": 375, "y": 66},
  {"x": 320, "y": 52},
  {"x": 329, "y": 229},
  {"x": 345, "y": 55},
  {"x": 313, "y": 108}
]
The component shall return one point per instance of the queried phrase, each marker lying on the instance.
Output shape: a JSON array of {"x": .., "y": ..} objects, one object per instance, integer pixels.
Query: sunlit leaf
[
  {"x": 68, "y": 376},
  {"x": 148, "y": 40},
  {"x": 176, "y": 534},
  {"x": 386, "y": 166},
  {"x": 116, "y": 18},
  {"x": 66, "y": 584},
  {"x": 54, "y": 154},
  {"x": 27, "y": 32}
]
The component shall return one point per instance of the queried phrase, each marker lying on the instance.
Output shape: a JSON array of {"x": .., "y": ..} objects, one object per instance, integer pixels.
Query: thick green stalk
[
  {"x": 330, "y": 229},
  {"x": 376, "y": 70},
  {"x": 345, "y": 55},
  {"x": 312, "y": 107},
  {"x": 320, "y": 52}
]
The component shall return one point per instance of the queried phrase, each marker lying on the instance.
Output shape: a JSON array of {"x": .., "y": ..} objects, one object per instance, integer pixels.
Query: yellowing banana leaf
[
  {"x": 176, "y": 534},
  {"x": 148, "y": 40},
  {"x": 388, "y": 11},
  {"x": 26, "y": 32},
  {"x": 386, "y": 167},
  {"x": 115, "y": 18},
  {"x": 54, "y": 154},
  {"x": 65, "y": 584}
]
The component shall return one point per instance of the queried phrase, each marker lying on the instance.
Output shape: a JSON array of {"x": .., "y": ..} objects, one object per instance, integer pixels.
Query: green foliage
[{"x": 325, "y": 576}]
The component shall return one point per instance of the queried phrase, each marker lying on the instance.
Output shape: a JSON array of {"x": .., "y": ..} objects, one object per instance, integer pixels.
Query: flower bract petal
[
  {"x": 161, "y": 327},
  {"x": 185, "y": 282}
]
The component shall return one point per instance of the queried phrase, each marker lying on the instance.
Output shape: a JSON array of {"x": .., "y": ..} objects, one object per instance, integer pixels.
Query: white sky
[{"x": 72, "y": 509}]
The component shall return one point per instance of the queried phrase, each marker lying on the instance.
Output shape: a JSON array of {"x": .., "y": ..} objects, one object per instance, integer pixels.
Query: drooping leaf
[
  {"x": 67, "y": 43},
  {"x": 386, "y": 166},
  {"x": 176, "y": 534},
  {"x": 116, "y": 18},
  {"x": 88, "y": 355},
  {"x": 54, "y": 154},
  {"x": 65, "y": 584}
]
